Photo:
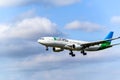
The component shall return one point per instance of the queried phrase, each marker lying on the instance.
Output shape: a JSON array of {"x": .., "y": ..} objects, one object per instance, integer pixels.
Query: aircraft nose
[{"x": 40, "y": 41}]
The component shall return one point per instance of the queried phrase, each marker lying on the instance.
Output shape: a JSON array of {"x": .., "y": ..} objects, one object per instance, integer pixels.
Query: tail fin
[
  {"x": 107, "y": 43},
  {"x": 109, "y": 36}
]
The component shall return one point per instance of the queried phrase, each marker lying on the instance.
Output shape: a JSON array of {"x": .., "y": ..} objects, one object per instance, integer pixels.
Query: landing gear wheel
[
  {"x": 47, "y": 48},
  {"x": 83, "y": 52},
  {"x": 71, "y": 53}
]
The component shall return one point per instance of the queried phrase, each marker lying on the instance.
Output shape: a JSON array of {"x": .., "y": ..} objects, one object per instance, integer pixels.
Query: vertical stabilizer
[
  {"x": 109, "y": 36},
  {"x": 107, "y": 43}
]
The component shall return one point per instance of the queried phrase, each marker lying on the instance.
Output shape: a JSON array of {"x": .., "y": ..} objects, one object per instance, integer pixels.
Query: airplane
[{"x": 60, "y": 44}]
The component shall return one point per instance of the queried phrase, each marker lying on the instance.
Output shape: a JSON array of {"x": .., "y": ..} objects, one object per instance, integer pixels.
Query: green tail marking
[{"x": 105, "y": 45}]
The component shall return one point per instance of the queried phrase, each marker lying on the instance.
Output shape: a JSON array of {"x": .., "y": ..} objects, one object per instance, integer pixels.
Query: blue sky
[{"x": 22, "y": 23}]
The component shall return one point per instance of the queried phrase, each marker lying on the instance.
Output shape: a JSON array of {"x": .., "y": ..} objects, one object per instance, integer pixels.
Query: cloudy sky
[{"x": 23, "y": 22}]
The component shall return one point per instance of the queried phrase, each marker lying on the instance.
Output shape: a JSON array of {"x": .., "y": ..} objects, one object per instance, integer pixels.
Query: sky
[{"x": 23, "y": 22}]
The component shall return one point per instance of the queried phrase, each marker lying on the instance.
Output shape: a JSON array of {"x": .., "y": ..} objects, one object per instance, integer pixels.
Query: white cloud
[
  {"x": 47, "y": 66},
  {"x": 115, "y": 19},
  {"x": 62, "y": 2},
  {"x": 6, "y": 3},
  {"x": 51, "y": 63},
  {"x": 27, "y": 14},
  {"x": 19, "y": 38},
  {"x": 37, "y": 60},
  {"x": 29, "y": 28},
  {"x": 56, "y": 61},
  {"x": 85, "y": 26}
]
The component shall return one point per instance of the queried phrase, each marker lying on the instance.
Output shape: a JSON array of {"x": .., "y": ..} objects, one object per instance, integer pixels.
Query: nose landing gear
[{"x": 47, "y": 48}]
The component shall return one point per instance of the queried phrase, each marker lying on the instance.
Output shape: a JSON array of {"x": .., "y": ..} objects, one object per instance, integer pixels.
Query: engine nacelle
[
  {"x": 57, "y": 49},
  {"x": 76, "y": 46},
  {"x": 73, "y": 46}
]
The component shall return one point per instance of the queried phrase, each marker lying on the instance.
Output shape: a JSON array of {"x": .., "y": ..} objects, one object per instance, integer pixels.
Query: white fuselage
[
  {"x": 60, "y": 44},
  {"x": 66, "y": 44}
]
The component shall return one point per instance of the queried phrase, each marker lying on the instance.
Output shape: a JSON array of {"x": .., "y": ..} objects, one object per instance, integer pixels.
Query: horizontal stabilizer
[{"x": 115, "y": 44}]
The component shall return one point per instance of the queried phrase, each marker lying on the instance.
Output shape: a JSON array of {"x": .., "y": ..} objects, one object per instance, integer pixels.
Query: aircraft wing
[{"x": 97, "y": 42}]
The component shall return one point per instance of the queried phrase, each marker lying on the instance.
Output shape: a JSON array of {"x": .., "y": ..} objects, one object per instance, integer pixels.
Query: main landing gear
[
  {"x": 72, "y": 54},
  {"x": 83, "y": 52}
]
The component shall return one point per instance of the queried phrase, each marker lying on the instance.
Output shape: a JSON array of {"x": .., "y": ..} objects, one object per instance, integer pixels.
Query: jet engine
[
  {"x": 57, "y": 49},
  {"x": 76, "y": 46},
  {"x": 73, "y": 46}
]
